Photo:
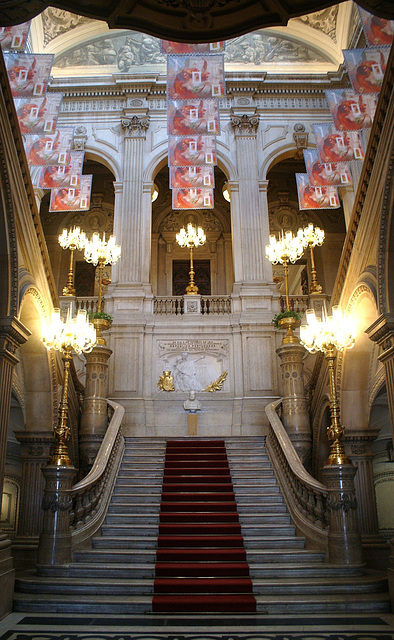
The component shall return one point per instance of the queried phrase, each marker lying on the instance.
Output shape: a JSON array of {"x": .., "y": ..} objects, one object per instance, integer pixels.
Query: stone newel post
[
  {"x": 295, "y": 416},
  {"x": 94, "y": 418}
]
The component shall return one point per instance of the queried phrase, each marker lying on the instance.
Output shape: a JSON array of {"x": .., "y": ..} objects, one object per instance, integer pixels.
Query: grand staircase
[{"x": 117, "y": 575}]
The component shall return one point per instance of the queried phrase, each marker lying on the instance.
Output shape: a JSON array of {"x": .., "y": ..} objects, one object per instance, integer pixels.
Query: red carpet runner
[{"x": 201, "y": 561}]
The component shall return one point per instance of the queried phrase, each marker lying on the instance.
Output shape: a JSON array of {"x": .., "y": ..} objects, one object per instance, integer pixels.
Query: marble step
[
  {"x": 127, "y": 556},
  {"x": 250, "y": 532},
  {"x": 279, "y": 556},
  {"x": 142, "y": 540},
  {"x": 346, "y": 585},
  {"x": 331, "y": 603},
  {"x": 85, "y": 586},
  {"x": 54, "y": 603}
]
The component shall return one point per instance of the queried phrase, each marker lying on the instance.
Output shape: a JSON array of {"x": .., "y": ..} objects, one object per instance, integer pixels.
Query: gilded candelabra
[
  {"x": 191, "y": 238},
  {"x": 312, "y": 237},
  {"x": 72, "y": 239},
  {"x": 287, "y": 248},
  {"x": 329, "y": 335},
  {"x": 101, "y": 252},
  {"x": 74, "y": 334}
]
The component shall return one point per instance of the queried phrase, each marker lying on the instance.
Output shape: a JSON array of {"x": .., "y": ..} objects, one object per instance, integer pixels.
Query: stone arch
[
  {"x": 386, "y": 243},
  {"x": 356, "y": 367},
  {"x": 38, "y": 367}
]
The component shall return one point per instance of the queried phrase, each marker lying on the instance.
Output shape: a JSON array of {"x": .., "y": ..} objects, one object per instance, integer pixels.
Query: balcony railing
[{"x": 210, "y": 305}]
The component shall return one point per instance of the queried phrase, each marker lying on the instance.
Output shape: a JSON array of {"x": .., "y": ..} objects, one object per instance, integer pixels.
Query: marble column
[
  {"x": 132, "y": 221},
  {"x": 295, "y": 414},
  {"x": 12, "y": 335},
  {"x": 249, "y": 206},
  {"x": 94, "y": 418},
  {"x": 344, "y": 540},
  {"x": 35, "y": 451}
]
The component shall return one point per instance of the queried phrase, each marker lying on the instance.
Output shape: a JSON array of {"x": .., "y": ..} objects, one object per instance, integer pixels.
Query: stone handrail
[
  {"x": 306, "y": 497},
  {"x": 91, "y": 495}
]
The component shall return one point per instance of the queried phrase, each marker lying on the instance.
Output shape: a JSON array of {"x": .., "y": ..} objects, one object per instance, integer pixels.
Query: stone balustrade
[
  {"x": 306, "y": 497},
  {"x": 210, "y": 305}
]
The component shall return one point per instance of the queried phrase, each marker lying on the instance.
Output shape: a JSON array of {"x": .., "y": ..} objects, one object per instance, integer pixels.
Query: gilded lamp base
[
  {"x": 101, "y": 324},
  {"x": 289, "y": 324},
  {"x": 191, "y": 289}
]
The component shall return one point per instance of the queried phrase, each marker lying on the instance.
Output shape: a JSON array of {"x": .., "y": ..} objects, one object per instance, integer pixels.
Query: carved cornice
[
  {"x": 135, "y": 127},
  {"x": 245, "y": 125}
]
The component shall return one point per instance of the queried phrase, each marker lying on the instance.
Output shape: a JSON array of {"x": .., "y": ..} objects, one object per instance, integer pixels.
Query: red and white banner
[
  {"x": 191, "y": 177},
  {"x": 191, "y": 77},
  {"x": 377, "y": 30},
  {"x": 56, "y": 176},
  {"x": 28, "y": 73},
  {"x": 192, "y": 198},
  {"x": 38, "y": 115},
  {"x": 310, "y": 197},
  {"x": 326, "y": 173},
  {"x": 337, "y": 146},
  {"x": 181, "y": 48},
  {"x": 192, "y": 151},
  {"x": 366, "y": 68},
  {"x": 72, "y": 199},
  {"x": 350, "y": 110},
  {"x": 52, "y": 148},
  {"x": 14, "y": 38},
  {"x": 193, "y": 117}
]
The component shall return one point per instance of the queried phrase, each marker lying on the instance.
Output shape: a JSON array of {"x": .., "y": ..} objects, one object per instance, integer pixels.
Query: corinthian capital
[
  {"x": 245, "y": 125},
  {"x": 135, "y": 127}
]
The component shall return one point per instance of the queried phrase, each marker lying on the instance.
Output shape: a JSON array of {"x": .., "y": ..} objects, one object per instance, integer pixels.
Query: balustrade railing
[
  {"x": 87, "y": 303},
  {"x": 297, "y": 303},
  {"x": 210, "y": 305},
  {"x": 306, "y": 497}
]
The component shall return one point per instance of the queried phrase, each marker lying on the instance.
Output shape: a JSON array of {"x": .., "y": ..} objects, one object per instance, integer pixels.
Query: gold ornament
[
  {"x": 217, "y": 384},
  {"x": 166, "y": 382}
]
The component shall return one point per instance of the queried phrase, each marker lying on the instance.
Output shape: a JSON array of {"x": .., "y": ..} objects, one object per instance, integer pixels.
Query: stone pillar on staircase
[
  {"x": 344, "y": 540},
  {"x": 55, "y": 541},
  {"x": 94, "y": 418},
  {"x": 295, "y": 414},
  {"x": 12, "y": 335},
  {"x": 35, "y": 453}
]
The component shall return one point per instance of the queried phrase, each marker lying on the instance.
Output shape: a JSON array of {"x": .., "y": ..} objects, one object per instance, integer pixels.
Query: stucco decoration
[
  {"x": 55, "y": 22},
  {"x": 132, "y": 50},
  {"x": 325, "y": 21},
  {"x": 207, "y": 220}
]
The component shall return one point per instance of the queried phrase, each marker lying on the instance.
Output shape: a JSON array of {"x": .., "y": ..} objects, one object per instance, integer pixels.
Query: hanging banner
[
  {"x": 337, "y": 146},
  {"x": 310, "y": 197},
  {"x": 181, "y": 48},
  {"x": 52, "y": 148},
  {"x": 366, "y": 68},
  {"x": 191, "y": 177},
  {"x": 192, "y": 151},
  {"x": 72, "y": 199},
  {"x": 192, "y": 198},
  {"x": 377, "y": 30},
  {"x": 351, "y": 111},
  {"x": 14, "y": 38},
  {"x": 56, "y": 176},
  {"x": 191, "y": 77},
  {"x": 193, "y": 117},
  {"x": 322, "y": 173},
  {"x": 38, "y": 115},
  {"x": 28, "y": 73}
]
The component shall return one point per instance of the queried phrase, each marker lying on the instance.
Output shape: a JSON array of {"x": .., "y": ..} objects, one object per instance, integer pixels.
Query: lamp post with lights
[
  {"x": 191, "y": 237},
  {"x": 72, "y": 239},
  {"x": 312, "y": 237}
]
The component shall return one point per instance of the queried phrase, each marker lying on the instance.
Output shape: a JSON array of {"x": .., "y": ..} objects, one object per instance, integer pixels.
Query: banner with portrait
[
  {"x": 326, "y": 173},
  {"x": 191, "y": 151},
  {"x": 366, "y": 68},
  {"x": 319, "y": 197},
  {"x": 191, "y": 77},
  {"x": 337, "y": 146},
  {"x": 377, "y": 30},
  {"x": 351, "y": 111},
  {"x": 191, "y": 177},
  {"x": 37, "y": 116},
  {"x": 14, "y": 38},
  {"x": 72, "y": 198},
  {"x": 69, "y": 175},
  {"x": 53, "y": 148},
  {"x": 28, "y": 73},
  {"x": 192, "y": 198},
  {"x": 181, "y": 48},
  {"x": 193, "y": 117}
]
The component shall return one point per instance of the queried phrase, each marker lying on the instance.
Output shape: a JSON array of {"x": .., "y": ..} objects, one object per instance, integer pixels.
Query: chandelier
[
  {"x": 72, "y": 239},
  {"x": 191, "y": 237},
  {"x": 312, "y": 237}
]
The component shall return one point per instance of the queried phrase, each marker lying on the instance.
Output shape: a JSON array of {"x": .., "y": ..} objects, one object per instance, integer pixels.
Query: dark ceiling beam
[{"x": 184, "y": 20}]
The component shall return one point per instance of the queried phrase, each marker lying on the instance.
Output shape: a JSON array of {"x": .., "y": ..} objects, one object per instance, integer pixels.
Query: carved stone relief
[
  {"x": 193, "y": 364},
  {"x": 55, "y": 22},
  {"x": 325, "y": 21}
]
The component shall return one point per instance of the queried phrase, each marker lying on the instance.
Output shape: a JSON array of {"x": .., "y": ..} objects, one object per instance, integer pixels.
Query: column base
[{"x": 7, "y": 576}]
